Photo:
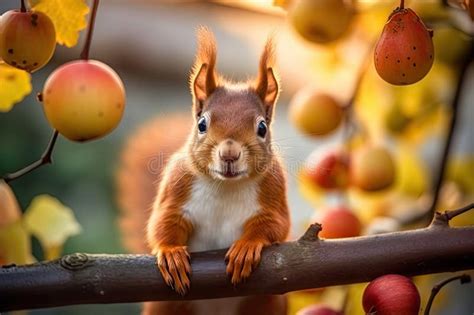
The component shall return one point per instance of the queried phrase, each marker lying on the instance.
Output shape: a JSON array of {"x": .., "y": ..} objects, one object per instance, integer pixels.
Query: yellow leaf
[
  {"x": 50, "y": 221},
  {"x": 15, "y": 84},
  {"x": 68, "y": 16},
  {"x": 15, "y": 244}
]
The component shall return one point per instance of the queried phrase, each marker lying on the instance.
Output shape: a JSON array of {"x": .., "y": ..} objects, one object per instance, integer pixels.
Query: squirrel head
[{"x": 231, "y": 136}]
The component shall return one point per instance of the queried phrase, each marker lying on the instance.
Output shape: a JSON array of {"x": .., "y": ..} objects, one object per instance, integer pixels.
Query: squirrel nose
[{"x": 230, "y": 151}]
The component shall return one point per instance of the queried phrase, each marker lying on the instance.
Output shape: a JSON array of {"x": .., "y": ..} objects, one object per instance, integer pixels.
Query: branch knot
[{"x": 74, "y": 261}]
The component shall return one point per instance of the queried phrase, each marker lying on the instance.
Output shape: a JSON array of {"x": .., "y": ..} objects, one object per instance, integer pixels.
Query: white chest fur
[{"x": 218, "y": 212}]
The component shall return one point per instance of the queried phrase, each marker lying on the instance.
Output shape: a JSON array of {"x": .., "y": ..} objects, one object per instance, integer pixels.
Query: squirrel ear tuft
[
  {"x": 267, "y": 84},
  {"x": 203, "y": 79}
]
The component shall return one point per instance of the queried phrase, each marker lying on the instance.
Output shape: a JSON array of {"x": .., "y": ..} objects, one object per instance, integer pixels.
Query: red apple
[
  {"x": 84, "y": 99},
  {"x": 27, "y": 39},
  {"x": 404, "y": 52},
  {"x": 318, "y": 309},
  {"x": 372, "y": 168},
  {"x": 339, "y": 222},
  {"x": 330, "y": 170},
  {"x": 315, "y": 113},
  {"x": 391, "y": 295}
]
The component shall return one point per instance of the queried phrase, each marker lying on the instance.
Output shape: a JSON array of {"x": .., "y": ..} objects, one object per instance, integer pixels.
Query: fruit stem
[
  {"x": 23, "y": 6},
  {"x": 464, "y": 279},
  {"x": 46, "y": 158},
  {"x": 90, "y": 31},
  {"x": 349, "y": 123},
  {"x": 402, "y": 4}
]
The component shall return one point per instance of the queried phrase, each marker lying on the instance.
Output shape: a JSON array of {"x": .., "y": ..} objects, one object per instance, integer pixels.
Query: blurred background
[{"x": 151, "y": 45}]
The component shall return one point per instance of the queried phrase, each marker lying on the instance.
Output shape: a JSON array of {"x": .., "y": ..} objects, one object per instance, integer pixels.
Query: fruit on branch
[
  {"x": 321, "y": 21},
  {"x": 404, "y": 52},
  {"x": 318, "y": 309},
  {"x": 340, "y": 222},
  {"x": 315, "y": 113},
  {"x": 84, "y": 99},
  {"x": 330, "y": 170},
  {"x": 372, "y": 168},
  {"x": 391, "y": 295},
  {"x": 27, "y": 39}
]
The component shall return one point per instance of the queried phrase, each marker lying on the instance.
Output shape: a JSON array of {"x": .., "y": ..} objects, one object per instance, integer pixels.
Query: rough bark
[{"x": 307, "y": 263}]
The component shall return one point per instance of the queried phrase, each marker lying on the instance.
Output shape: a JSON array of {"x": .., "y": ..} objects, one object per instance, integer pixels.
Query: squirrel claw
[
  {"x": 175, "y": 267},
  {"x": 243, "y": 257}
]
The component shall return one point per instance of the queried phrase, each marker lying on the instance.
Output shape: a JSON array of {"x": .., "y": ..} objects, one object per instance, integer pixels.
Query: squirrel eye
[
  {"x": 262, "y": 129},
  {"x": 202, "y": 125}
]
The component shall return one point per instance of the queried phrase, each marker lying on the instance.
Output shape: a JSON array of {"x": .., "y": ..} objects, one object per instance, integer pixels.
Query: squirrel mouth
[{"x": 229, "y": 172}]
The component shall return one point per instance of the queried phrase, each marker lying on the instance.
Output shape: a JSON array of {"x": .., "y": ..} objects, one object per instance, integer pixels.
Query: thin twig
[
  {"x": 451, "y": 131},
  {"x": 46, "y": 158},
  {"x": 442, "y": 219},
  {"x": 464, "y": 279},
  {"x": 454, "y": 213},
  {"x": 90, "y": 31}
]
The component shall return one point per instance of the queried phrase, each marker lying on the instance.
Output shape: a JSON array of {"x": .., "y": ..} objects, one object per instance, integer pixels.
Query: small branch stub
[
  {"x": 443, "y": 218},
  {"x": 312, "y": 233}
]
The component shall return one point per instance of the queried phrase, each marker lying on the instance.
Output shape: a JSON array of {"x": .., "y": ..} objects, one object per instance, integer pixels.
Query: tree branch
[
  {"x": 46, "y": 158},
  {"x": 303, "y": 264},
  {"x": 466, "y": 62}
]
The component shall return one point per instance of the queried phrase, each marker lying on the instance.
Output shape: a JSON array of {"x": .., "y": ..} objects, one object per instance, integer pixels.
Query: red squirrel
[{"x": 225, "y": 187}]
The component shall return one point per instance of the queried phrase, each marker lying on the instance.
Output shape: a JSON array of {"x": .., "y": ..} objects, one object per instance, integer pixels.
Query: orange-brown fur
[{"x": 232, "y": 115}]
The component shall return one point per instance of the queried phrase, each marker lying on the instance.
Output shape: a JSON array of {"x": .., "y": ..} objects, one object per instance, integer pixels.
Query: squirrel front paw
[
  {"x": 243, "y": 257},
  {"x": 175, "y": 267}
]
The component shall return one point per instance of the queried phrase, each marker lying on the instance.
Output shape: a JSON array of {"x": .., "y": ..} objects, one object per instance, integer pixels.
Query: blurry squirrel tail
[{"x": 141, "y": 162}]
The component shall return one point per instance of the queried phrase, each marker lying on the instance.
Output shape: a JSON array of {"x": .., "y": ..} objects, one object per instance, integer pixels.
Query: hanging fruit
[
  {"x": 27, "y": 39},
  {"x": 404, "y": 52}
]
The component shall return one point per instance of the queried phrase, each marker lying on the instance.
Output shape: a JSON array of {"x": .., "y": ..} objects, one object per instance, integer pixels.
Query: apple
[
  {"x": 339, "y": 222},
  {"x": 9, "y": 208},
  {"x": 329, "y": 170},
  {"x": 27, "y": 39},
  {"x": 372, "y": 168},
  {"x": 404, "y": 52},
  {"x": 315, "y": 113},
  {"x": 391, "y": 295},
  {"x": 318, "y": 309},
  {"x": 84, "y": 99},
  {"x": 321, "y": 21}
]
